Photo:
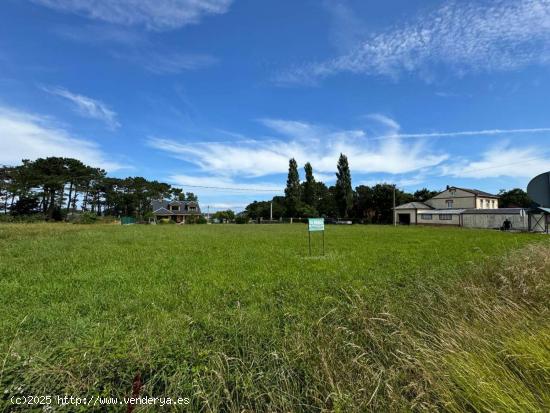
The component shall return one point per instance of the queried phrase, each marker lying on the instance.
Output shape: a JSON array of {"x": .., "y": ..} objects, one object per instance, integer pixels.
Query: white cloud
[
  {"x": 28, "y": 136},
  {"x": 101, "y": 34},
  {"x": 482, "y": 132},
  {"x": 306, "y": 143},
  {"x": 346, "y": 29},
  {"x": 137, "y": 48},
  {"x": 385, "y": 121},
  {"x": 465, "y": 36},
  {"x": 502, "y": 161},
  {"x": 166, "y": 63},
  {"x": 154, "y": 15},
  {"x": 87, "y": 107}
]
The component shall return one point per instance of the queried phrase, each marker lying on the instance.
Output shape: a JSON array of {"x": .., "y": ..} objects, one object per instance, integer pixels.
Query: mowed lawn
[{"x": 223, "y": 314}]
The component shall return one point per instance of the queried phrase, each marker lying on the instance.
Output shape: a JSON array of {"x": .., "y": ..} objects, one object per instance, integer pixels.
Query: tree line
[
  {"x": 55, "y": 187},
  {"x": 367, "y": 204}
]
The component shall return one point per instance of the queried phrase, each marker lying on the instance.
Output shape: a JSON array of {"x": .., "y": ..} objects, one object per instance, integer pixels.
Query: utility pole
[
  {"x": 271, "y": 211},
  {"x": 394, "y": 223},
  {"x": 208, "y": 213}
]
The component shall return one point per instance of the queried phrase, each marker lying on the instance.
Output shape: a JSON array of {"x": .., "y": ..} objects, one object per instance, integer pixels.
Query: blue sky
[{"x": 222, "y": 93}]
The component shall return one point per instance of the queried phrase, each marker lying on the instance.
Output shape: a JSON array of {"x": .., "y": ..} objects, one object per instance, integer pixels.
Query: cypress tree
[
  {"x": 292, "y": 190},
  {"x": 309, "y": 186},
  {"x": 344, "y": 191}
]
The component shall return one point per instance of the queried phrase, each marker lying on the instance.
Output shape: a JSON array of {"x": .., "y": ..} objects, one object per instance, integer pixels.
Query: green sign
[
  {"x": 127, "y": 220},
  {"x": 316, "y": 224}
]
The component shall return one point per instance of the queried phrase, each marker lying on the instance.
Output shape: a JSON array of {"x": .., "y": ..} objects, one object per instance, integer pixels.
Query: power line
[{"x": 223, "y": 188}]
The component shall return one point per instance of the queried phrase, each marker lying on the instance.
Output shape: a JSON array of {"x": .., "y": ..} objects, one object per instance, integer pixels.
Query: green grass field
[{"x": 241, "y": 318}]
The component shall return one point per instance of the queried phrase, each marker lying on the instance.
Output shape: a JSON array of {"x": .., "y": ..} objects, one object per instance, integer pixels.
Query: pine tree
[
  {"x": 292, "y": 190},
  {"x": 309, "y": 187},
  {"x": 344, "y": 191}
]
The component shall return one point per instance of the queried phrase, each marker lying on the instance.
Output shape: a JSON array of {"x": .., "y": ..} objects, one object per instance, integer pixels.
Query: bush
[
  {"x": 22, "y": 218},
  {"x": 195, "y": 219},
  {"x": 241, "y": 219},
  {"x": 165, "y": 221},
  {"x": 88, "y": 218}
]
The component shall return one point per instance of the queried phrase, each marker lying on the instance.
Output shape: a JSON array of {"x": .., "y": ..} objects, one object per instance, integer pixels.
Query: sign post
[{"x": 314, "y": 225}]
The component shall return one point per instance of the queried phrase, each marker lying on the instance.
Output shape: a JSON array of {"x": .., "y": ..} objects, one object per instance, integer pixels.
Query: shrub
[
  {"x": 88, "y": 218},
  {"x": 165, "y": 221},
  {"x": 22, "y": 218},
  {"x": 241, "y": 219}
]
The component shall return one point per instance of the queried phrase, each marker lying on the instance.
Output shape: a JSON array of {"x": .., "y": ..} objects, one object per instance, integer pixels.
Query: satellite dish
[{"x": 539, "y": 189}]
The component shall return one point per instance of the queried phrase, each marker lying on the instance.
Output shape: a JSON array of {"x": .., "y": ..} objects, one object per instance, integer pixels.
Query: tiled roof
[
  {"x": 164, "y": 205},
  {"x": 414, "y": 205},
  {"x": 477, "y": 192}
]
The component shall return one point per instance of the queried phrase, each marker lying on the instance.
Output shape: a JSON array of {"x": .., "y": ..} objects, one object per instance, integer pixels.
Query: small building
[
  {"x": 445, "y": 208},
  {"x": 463, "y": 207},
  {"x": 178, "y": 211}
]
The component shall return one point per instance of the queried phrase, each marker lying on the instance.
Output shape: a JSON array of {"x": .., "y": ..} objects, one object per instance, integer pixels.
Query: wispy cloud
[
  {"x": 166, "y": 63},
  {"x": 306, "y": 142},
  {"x": 137, "y": 48},
  {"x": 86, "y": 106},
  {"x": 346, "y": 29},
  {"x": 503, "y": 160},
  {"x": 385, "y": 121},
  {"x": 100, "y": 33},
  {"x": 154, "y": 15},
  {"x": 29, "y": 136},
  {"x": 409, "y": 159},
  {"x": 465, "y": 36},
  {"x": 482, "y": 132}
]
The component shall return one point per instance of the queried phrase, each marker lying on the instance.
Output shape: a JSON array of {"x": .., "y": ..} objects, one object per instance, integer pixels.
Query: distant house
[
  {"x": 178, "y": 211},
  {"x": 461, "y": 207}
]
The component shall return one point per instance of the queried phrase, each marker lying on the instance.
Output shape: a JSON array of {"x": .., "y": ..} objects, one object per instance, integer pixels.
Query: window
[
  {"x": 174, "y": 208},
  {"x": 445, "y": 217},
  {"x": 425, "y": 216},
  {"x": 192, "y": 208},
  {"x": 453, "y": 192},
  {"x": 487, "y": 203},
  {"x": 449, "y": 203}
]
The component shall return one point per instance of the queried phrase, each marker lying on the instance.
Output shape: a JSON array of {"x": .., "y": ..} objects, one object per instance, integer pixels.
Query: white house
[{"x": 461, "y": 207}]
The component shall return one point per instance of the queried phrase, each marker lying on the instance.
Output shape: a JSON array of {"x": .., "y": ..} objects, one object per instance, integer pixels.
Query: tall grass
[
  {"x": 482, "y": 345},
  {"x": 242, "y": 320}
]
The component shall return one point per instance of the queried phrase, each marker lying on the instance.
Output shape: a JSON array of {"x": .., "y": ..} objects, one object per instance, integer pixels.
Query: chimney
[{"x": 448, "y": 186}]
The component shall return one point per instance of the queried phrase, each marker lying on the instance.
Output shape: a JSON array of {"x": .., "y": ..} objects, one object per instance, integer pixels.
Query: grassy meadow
[{"x": 239, "y": 318}]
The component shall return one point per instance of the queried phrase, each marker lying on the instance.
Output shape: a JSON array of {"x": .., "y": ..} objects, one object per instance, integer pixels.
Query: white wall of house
[
  {"x": 486, "y": 203},
  {"x": 437, "y": 218},
  {"x": 458, "y": 198},
  {"x": 453, "y": 198}
]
